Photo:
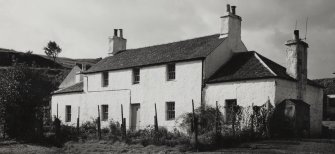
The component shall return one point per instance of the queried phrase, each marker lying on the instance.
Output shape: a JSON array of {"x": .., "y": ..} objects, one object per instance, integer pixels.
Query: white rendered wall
[
  {"x": 259, "y": 91},
  {"x": 222, "y": 54},
  {"x": 66, "y": 99},
  {"x": 71, "y": 78},
  {"x": 246, "y": 92},
  {"x": 153, "y": 88}
]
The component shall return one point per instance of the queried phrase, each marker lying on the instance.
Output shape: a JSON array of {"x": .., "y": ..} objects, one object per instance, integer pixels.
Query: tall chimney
[
  {"x": 116, "y": 43},
  {"x": 296, "y": 62},
  {"x": 230, "y": 24}
]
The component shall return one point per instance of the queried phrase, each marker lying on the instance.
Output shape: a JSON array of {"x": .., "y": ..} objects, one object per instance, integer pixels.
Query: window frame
[
  {"x": 170, "y": 113},
  {"x": 104, "y": 113},
  {"x": 229, "y": 110},
  {"x": 68, "y": 113},
  {"x": 136, "y": 75},
  {"x": 104, "y": 79},
  {"x": 171, "y": 73}
]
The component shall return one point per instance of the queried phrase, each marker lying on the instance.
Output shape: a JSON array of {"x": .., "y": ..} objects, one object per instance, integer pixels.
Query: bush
[
  {"x": 88, "y": 130},
  {"x": 206, "y": 116},
  {"x": 149, "y": 136},
  {"x": 115, "y": 128}
]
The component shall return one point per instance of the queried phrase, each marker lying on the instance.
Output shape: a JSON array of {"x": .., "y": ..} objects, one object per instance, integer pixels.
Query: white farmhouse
[{"x": 206, "y": 69}]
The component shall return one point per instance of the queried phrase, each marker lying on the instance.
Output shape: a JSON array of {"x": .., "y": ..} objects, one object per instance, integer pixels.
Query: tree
[
  {"x": 52, "y": 50},
  {"x": 24, "y": 91}
]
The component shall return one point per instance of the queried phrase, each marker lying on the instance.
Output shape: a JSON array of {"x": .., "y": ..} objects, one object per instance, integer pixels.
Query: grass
[{"x": 95, "y": 146}]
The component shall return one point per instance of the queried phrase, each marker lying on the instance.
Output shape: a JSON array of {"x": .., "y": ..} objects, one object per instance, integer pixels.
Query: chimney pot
[
  {"x": 121, "y": 33},
  {"x": 233, "y": 9},
  {"x": 228, "y": 7},
  {"x": 115, "y": 32},
  {"x": 296, "y": 35}
]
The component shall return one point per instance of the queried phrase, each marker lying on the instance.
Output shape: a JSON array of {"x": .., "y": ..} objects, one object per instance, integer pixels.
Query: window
[
  {"x": 171, "y": 71},
  {"x": 331, "y": 102},
  {"x": 170, "y": 111},
  {"x": 136, "y": 75},
  {"x": 230, "y": 103},
  {"x": 104, "y": 112},
  {"x": 67, "y": 113},
  {"x": 105, "y": 79}
]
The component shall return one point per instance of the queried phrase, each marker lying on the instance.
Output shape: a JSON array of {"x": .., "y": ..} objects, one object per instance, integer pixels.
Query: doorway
[{"x": 135, "y": 116}]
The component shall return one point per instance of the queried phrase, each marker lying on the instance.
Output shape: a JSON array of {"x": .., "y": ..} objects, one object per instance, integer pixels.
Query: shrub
[
  {"x": 206, "y": 117},
  {"x": 115, "y": 128},
  {"x": 149, "y": 136},
  {"x": 88, "y": 130}
]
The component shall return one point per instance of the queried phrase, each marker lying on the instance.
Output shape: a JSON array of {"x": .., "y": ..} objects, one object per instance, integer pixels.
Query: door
[{"x": 135, "y": 116}]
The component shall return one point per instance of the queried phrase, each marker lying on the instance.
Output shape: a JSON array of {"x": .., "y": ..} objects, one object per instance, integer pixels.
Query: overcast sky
[{"x": 81, "y": 27}]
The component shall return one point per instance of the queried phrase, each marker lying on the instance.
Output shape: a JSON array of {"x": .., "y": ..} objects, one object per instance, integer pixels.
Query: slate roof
[
  {"x": 78, "y": 87},
  {"x": 328, "y": 83},
  {"x": 250, "y": 65},
  {"x": 191, "y": 49}
]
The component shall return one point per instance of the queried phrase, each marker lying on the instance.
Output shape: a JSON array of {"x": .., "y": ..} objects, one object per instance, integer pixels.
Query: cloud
[{"x": 81, "y": 27}]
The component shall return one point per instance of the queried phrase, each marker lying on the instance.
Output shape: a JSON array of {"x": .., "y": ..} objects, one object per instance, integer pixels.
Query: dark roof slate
[
  {"x": 241, "y": 66},
  {"x": 247, "y": 65},
  {"x": 328, "y": 84},
  {"x": 78, "y": 87},
  {"x": 164, "y": 53}
]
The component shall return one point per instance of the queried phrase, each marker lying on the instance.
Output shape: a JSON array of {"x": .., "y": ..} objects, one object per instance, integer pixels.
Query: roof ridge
[
  {"x": 264, "y": 64},
  {"x": 270, "y": 60},
  {"x": 200, "y": 37}
]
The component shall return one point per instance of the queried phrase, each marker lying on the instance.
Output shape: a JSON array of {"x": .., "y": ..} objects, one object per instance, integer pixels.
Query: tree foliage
[
  {"x": 52, "y": 50},
  {"x": 23, "y": 93}
]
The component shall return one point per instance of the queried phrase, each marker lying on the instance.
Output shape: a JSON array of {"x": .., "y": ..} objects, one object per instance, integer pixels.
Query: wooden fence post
[
  {"x": 252, "y": 121},
  {"x": 78, "y": 121},
  {"x": 195, "y": 127},
  {"x": 217, "y": 129},
  {"x": 156, "y": 121},
  {"x": 124, "y": 128},
  {"x": 217, "y": 118},
  {"x": 233, "y": 120},
  {"x": 99, "y": 124},
  {"x": 123, "y": 125},
  {"x": 122, "y": 135},
  {"x": 57, "y": 111}
]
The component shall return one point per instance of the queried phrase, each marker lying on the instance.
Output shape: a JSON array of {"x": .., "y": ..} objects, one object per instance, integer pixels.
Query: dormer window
[
  {"x": 104, "y": 79},
  {"x": 136, "y": 75},
  {"x": 171, "y": 71}
]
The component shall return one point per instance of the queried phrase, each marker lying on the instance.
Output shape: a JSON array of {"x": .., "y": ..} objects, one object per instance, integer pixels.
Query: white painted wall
[
  {"x": 259, "y": 91},
  {"x": 153, "y": 88},
  {"x": 221, "y": 55},
  {"x": 71, "y": 78},
  {"x": 246, "y": 92},
  {"x": 314, "y": 97},
  {"x": 62, "y": 100}
]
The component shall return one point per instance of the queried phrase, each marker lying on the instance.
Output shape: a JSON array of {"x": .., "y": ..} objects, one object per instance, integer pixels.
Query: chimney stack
[
  {"x": 230, "y": 24},
  {"x": 296, "y": 62},
  {"x": 233, "y": 8},
  {"x": 116, "y": 43}
]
